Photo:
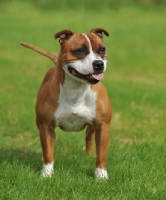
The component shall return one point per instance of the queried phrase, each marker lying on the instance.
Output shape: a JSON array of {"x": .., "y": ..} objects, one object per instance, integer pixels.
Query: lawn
[{"x": 135, "y": 81}]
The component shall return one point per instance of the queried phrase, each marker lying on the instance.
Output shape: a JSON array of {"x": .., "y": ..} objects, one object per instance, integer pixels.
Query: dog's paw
[
  {"x": 48, "y": 170},
  {"x": 101, "y": 174}
]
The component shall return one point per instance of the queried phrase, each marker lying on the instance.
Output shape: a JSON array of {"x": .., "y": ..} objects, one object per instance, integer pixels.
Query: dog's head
[{"x": 83, "y": 56}]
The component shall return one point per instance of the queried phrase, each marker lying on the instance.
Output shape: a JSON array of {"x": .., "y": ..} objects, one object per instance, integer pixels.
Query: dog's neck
[{"x": 74, "y": 91}]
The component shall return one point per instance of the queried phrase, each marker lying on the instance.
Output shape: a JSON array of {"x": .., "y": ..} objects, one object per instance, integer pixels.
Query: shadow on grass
[
  {"x": 22, "y": 157},
  {"x": 73, "y": 162}
]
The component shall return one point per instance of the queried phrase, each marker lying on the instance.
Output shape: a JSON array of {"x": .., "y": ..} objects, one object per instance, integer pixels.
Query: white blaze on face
[{"x": 85, "y": 66}]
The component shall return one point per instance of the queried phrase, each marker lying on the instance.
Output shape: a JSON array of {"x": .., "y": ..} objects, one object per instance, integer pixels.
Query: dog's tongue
[{"x": 98, "y": 76}]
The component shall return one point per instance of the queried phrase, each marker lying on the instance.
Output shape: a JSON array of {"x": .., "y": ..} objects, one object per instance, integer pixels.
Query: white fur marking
[
  {"x": 88, "y": 42},
  {"x": 77, "y": 105},
  {"x": 101, "y": 173},
  {"x": 91, "y": 52},
  {"x": 48, "y": 170}
]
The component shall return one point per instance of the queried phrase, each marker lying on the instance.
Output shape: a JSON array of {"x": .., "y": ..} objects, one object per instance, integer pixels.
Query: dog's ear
[
  {"x": 63, "y": 35},
  {"x": 99, "y": 32}
]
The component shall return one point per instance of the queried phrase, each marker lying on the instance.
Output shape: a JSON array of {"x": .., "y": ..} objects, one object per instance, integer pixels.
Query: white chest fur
[{"x": 77, "y": 105}]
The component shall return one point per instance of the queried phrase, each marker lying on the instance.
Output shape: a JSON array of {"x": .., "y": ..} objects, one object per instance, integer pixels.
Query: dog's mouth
[{"x": 90, "y": 78}]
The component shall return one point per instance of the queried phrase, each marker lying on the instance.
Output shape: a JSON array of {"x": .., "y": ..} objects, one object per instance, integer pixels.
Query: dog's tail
[{"x": 51, "y": 56}]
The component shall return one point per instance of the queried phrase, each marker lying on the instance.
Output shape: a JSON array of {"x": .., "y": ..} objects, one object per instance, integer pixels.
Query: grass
[{"x": 135, "y": 81}]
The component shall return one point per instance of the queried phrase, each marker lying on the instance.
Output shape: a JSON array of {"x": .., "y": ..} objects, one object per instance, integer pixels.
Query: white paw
[
  {"x": 48, "y": 170},
  {"x": 101, "y": 174}
]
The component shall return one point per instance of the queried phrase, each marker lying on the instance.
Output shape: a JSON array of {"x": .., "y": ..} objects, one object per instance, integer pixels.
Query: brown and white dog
[{"x": 72, "y": 98}]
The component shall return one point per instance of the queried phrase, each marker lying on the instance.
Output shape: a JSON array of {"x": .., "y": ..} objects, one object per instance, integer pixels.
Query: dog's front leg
[
  {"x": 47, "y": 138},
  {"x": 90, "y": 132},
  {"x": 102, "y": 137}
]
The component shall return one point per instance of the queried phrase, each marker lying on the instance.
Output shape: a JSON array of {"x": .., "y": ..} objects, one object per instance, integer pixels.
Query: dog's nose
[{"x": 98, "y": 65}]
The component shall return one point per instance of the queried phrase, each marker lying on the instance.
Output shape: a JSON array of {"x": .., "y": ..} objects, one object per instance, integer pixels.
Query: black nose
[{"x": 98, "y": 65}]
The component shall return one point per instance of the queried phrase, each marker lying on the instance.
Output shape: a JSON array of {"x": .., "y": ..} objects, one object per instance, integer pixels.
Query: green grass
[{"x": 135, "y": 81}]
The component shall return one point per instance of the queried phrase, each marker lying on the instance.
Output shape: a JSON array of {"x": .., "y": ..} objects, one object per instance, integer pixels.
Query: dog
[{"x": 72, "y": 97}]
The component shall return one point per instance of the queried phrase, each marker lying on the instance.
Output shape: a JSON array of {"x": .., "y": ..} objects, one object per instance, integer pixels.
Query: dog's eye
[
  {"x": 102, "y": 50},
  {"x": 80, "y": 50}
]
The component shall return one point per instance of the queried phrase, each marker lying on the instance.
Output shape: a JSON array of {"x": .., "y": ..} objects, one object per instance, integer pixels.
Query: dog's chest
[{"x": 76, "y": 107}]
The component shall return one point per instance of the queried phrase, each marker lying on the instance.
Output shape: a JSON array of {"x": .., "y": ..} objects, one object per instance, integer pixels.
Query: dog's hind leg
[
  {"x": 47, "y": 137},
  {"x": 89, "y": 139}
]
